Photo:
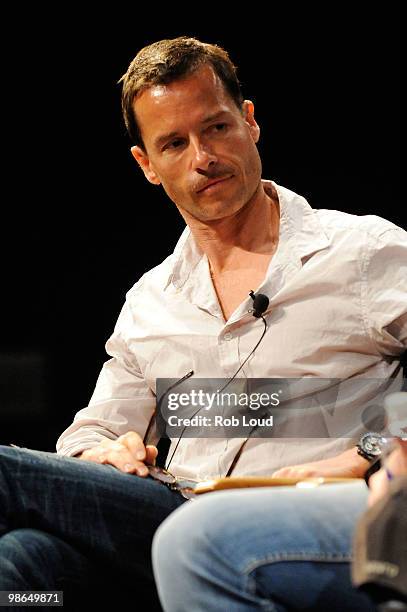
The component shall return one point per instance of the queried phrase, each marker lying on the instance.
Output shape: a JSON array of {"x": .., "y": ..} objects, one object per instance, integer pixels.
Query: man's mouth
[{"x": 212, "y": 183}]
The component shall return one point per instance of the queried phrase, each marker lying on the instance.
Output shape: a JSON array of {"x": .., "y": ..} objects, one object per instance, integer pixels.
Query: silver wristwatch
[{"x": 370, "y": 445}]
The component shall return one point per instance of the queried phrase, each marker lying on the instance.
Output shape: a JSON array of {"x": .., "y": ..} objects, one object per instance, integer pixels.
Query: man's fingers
[
  {"x": 295, "y": 472},
  {"x": 151, "y": 454},
  {"x": 134, "y": 443},
  {"x": 121, "y": 458},
  {"x": 123, "y": 453}
]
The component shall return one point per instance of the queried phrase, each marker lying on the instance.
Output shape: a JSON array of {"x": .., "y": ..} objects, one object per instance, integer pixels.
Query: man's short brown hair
[{"x": 167, "y": 60}]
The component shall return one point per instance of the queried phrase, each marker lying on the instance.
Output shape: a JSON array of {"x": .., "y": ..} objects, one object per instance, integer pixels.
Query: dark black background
[{"x": 79, "y": 222}]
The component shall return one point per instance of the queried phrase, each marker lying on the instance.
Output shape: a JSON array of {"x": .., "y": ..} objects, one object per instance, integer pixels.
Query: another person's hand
[
  {"x": 127, "y": 453},
  {"x": 394, "y": 465}
]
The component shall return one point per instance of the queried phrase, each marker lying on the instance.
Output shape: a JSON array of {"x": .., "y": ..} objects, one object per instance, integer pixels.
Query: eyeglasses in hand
[{"x": 182, "y": 485}]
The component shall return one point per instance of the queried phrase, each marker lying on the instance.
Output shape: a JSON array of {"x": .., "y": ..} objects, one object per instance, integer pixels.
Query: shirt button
[{"x": 228, "y": 336}]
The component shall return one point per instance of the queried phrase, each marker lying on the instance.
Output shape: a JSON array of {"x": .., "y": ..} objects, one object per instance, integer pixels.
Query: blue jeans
[
  {"x": 279, "y": 548},
  {"x": 71, "y": 523}
]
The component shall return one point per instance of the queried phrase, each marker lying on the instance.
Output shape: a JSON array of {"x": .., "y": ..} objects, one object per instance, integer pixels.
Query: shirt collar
[{"x": 299, "y": 226}]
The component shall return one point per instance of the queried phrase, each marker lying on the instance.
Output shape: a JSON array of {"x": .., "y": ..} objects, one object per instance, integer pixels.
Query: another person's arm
[{"x": 395, "y": 465}]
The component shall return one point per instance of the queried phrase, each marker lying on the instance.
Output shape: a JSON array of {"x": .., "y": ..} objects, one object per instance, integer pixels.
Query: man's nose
[{"x": 202, "y": 156}]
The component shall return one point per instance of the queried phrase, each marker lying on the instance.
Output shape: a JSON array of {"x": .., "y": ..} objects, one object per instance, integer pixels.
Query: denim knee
[
  {"x": 182, "y": 538},
  {"x": 33, "y": 559},
  {"x": 25, "y": 556}
]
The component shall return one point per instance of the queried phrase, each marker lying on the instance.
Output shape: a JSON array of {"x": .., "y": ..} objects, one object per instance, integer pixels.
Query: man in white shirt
[{"x": 337, "y": 309}]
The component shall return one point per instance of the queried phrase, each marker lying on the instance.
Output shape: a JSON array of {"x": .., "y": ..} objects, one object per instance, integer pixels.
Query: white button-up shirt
[{"x": 337, "y": 286}]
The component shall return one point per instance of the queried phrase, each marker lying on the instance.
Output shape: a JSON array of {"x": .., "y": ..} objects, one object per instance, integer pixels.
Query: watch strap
[{"x": 363, "y": 453}]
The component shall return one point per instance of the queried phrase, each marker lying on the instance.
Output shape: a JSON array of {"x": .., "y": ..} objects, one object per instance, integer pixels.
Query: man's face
[{"x": 199, "y": 145}]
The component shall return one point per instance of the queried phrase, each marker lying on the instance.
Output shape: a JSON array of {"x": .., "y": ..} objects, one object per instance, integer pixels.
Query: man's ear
[
  {"x": 143, "y": 161},
  {"x": 248, "y": 114}
]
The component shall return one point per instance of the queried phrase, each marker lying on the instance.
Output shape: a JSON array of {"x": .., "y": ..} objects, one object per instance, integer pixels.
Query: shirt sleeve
[
  {"x": 384, "y": 292},
  {"x": 121, "y": 401}
]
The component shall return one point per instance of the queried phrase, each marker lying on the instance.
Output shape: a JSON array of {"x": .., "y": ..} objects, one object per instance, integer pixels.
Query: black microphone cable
[{"x": 260, "y": 305}]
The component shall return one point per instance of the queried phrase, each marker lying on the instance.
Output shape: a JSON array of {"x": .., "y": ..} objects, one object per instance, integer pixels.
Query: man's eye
[
  {"x": 174, "y": 144},
  {"x": 220, "y": 127}
]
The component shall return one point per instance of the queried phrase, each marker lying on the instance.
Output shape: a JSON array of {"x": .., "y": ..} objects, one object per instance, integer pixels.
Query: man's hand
[
  {"x": 127, "y": 453},
  {"x": 346, "y": 465}
]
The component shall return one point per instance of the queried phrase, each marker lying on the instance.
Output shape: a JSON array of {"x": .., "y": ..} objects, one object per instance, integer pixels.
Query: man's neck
[{"x": 249, "y": 234}]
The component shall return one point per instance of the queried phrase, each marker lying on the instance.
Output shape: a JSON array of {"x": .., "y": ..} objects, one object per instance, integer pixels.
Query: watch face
[{"x": 371, "y": 443}]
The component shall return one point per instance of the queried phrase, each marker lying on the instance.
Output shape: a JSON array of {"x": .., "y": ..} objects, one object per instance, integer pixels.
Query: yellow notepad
[{"x": 236, "y": 482}]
